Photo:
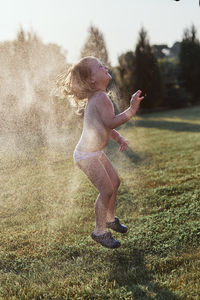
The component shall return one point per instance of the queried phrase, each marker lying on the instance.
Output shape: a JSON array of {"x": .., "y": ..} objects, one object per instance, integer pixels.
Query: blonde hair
[{"x": 74, "y": 82}]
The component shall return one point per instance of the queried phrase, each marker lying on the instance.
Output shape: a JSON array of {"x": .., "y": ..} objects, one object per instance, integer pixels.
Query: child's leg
[
  {"x": 115, "y": 181},
  {"x": 98, "y": 175}
]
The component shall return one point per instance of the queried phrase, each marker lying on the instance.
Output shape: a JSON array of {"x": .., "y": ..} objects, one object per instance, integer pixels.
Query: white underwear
[{"x": 79, "y": 155}]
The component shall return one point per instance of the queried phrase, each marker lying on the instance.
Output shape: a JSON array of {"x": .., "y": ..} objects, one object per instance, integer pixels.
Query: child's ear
[{"x": 91, "y": 80}]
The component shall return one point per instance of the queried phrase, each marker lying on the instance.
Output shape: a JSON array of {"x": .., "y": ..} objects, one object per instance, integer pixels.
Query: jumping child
[{"x": 88, "y": 80}]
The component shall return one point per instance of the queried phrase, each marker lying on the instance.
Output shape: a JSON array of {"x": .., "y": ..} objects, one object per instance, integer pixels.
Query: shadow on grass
[
  {"x": 112, "y": 150},
  {"x": 167, "y": 125},
  {"x": 129, "y": 271},
  {"x": 133, "y": 156}
]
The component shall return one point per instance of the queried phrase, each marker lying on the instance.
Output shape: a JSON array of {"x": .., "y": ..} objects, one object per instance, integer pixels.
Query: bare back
[{"x": 95, "y": 134}]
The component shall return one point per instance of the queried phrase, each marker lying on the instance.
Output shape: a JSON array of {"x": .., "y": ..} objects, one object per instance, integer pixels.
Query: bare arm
[
  {"x": 123, "y": 143},
  {"x": 115, "y": 135},
  {"x": 106, "y": 110}
]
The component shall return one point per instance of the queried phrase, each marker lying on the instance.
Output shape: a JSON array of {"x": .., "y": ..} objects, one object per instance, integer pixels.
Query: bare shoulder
[{"x": 102, "y": 100}]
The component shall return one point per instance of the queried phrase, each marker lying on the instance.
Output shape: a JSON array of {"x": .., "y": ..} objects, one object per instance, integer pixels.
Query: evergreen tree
[
  {"x": 174, "y": 94},
  {"x": 190, "y": 63},
  {"x": 95, "y": 46},
  {"x": 124, "y": 77},
  {"x": 147, "y": 74}
]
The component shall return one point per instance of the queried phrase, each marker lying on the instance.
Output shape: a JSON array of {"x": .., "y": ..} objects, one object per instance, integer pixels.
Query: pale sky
[{"x": 66, "y": 22}]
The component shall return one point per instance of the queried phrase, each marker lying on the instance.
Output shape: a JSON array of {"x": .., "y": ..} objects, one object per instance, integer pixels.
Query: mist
[
  {"x": 38, "y": 127},
  {"x": 31, "y": 116},
  {"x": 38, "y": 130}
]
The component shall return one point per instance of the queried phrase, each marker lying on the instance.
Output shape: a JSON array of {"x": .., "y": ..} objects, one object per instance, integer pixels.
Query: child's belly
[{"x": 93, "y": 140}]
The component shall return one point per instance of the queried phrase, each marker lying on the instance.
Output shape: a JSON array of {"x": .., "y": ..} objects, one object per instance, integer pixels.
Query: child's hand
[
  {"x": 135, "y": 100},
  {"x": 123, "y": 144}
]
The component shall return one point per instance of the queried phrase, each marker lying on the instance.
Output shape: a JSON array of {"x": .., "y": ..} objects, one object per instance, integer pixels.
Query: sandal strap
[
  {"x": 117, "y": 226},
  {"x": 106, "y": 239}
]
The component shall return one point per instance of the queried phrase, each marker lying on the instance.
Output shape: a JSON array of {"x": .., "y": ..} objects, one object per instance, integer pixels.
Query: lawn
[{"x": 47, "y": 216}]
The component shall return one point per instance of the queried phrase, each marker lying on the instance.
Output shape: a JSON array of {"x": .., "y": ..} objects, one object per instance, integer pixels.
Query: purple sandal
[
  {"x": 115, "y": 225},
  {"x": 106, "y": 239}
]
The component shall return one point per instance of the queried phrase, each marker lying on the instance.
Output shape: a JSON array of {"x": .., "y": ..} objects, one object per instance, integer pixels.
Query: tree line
[{"x": 168, "y": 77}]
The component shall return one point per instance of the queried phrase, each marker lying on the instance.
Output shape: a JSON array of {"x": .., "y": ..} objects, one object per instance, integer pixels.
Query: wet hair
[{"x": 74, "y": 82}]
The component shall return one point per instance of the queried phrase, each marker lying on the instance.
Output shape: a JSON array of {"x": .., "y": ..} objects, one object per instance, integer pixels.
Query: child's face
[{"x": 99, "y": 73}]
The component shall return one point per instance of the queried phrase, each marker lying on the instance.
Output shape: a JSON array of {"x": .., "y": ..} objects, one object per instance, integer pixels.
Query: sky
[{"x": 66, "y": 22}]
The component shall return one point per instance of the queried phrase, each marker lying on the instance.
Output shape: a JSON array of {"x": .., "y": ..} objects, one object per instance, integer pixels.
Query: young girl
[{"x": 88, "y": 80}]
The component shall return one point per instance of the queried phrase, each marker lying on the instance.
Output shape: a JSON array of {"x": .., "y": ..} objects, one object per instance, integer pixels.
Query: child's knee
[
  {"x": 107, "y": 193},
  {"x": 116, "y": 183}
]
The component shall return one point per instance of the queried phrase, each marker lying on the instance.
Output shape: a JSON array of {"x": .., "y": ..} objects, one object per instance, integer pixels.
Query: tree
[
  {"x": 29, "y": 68},
  {"x": 147, "y": 75},
  {"x": 190, "y": 63},
  {"x": 95, "y": 46},
  {"x": 175, "y": 95},
  {"x": 124, "y": 77}
]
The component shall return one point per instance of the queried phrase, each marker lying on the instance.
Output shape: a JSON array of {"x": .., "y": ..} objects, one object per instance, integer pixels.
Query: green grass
[{"x": 47, "y": 215}]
